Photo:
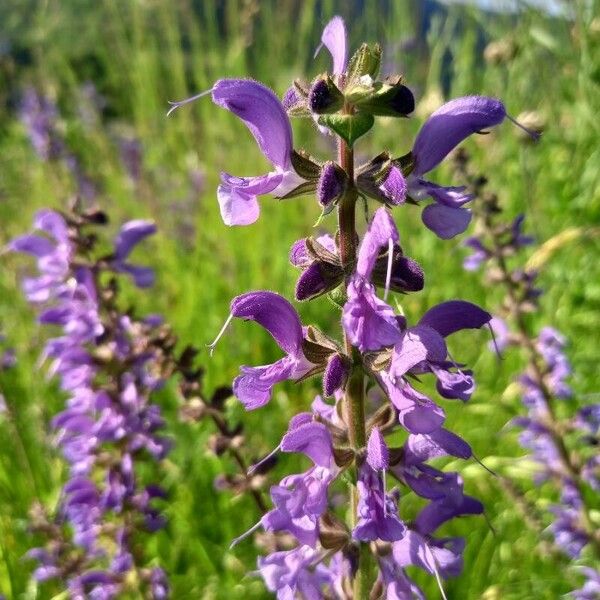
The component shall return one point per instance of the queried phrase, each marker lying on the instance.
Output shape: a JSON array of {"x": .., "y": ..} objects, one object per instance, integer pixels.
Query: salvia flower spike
[{"x": 372, "y": 373}]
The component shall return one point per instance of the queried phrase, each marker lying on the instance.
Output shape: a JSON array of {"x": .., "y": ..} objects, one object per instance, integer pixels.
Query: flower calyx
[
  {"x": 324, "y": 96},
  {"x": 327, "y": 357},
  {"x": 389, "y": 98},
  {"x": 384, "y": 179},
  {"x": 333, "y": 532},
  {"x": 322, "y": 271}
]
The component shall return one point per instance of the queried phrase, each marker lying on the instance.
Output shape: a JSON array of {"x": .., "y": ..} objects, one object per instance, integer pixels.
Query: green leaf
[{"x": 348, "y": 127}]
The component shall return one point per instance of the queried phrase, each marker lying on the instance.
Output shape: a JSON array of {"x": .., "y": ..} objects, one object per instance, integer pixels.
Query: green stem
[{"x": 354, "y": 399}]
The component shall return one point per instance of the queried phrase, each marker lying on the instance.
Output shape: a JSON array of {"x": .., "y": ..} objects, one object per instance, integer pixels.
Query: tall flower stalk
[
  {"x": 372, "y": 372},
  {"x": 108, "y": 364},
  {"x": 549, "y": 436}
]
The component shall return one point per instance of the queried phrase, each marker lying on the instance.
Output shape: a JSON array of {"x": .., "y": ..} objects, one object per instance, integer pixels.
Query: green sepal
[
  {"x": 365, "y": 61},
  {"x": 406, "y": 163},
  {"x": 305, "y": 165},
  {"x": 377, "y": 98},
  {"x": 348, "y": 127},
  {"x": 308, "y": 187}
]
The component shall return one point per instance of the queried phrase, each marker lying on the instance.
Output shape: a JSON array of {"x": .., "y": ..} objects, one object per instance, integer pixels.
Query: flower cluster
[
  {"x": 543, "y": 384},
  {"x": 108, "y": 364},
  {"x": 372, "y": 374}
]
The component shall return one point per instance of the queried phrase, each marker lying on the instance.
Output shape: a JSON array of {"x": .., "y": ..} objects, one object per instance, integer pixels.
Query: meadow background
[{"x": 111, "y": 66}]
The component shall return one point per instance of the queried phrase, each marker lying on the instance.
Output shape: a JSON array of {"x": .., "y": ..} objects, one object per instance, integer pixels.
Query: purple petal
[
  {"x": 143, "y": 277},
  {"x": 444, "y": 221},
  {"x": 263, "y": 114},
  {"x": 434, "y": 556},
  {"x": 368, "y": 321},
  {"x": 458, "y": 385},
  {"x": 394, "y": 186},
  {"x": 52, "y": 223},
  {"x": 253, "y": 186},
  {"x": 441, "y": 442},
  {"x": 130, "y": 234},
  {"x": 416, "y": 412},
  {"x": 299, "y": 255},
  {"x": 381, "y": 229},
  {"x": 32, "y": 244},
  {"x": 274, "y": 313},
  {"x": 312, "y": 439},
  {"x": 450, "y": 125},
  {"x": 438, "y": 512},
  {"x": 416, "y": 345},
  {"x": 334, "y": 38},
  {"x": 378, "y": 455},
  {"x": 452, "y": 316},
  {"x": 450, "y": 196},
  {"x": 237, "y": 208},
  {"x": 253, "y": 387}
]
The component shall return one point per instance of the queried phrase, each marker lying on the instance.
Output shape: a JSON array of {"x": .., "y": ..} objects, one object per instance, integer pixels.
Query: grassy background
[{"x": 141, "y": 53}]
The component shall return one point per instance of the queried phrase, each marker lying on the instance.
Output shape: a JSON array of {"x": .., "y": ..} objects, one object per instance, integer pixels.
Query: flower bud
[
  {"x": 324, "y": 96},
  {"x": 331, "y": 186},
  {"x": 336, "y": 374},
  {"x": 311, "y": 283}
]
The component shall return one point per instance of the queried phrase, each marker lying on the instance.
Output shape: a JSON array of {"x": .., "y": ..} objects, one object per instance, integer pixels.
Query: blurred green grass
[{"x": 140, "y": 54}]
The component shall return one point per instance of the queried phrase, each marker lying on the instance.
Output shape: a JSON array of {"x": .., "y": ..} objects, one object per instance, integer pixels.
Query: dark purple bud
[
  {"x": 290, "y": 98},
  {"x": 324, "y": 97},
  {"x": 403, "y": 101},
  {"x": 332, "y": 183},
  {"x": 336, "y": 374},
  {"x": 311, "y": 283},
  {"x": 407, "y": 275}
]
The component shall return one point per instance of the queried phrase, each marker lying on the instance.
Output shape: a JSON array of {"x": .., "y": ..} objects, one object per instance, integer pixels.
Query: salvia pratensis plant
[
  {"x": 564, "y": 448},
  {"x": 108, "y": 363},
  {"x": 372, "y": 373}
]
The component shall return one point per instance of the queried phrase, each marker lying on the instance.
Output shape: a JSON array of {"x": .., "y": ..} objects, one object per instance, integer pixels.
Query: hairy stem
[{"x": 354, "y": 405}]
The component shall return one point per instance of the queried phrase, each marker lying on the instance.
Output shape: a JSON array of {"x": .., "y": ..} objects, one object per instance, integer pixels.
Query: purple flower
[
  {"x": 479, "y": 255},
  {"x": 264, "y": 115},
  {"x": 377, "y": 511},
  {"x": 40, "y": 117},
  {"x": 398, "y": 586},
  {"x": 278, "y": 317},
  {"x": 53, "y": 251},
  {"x": 301, "y": 499},
  {"x": 295, "y": 572},
  {"x": 107, "y": 410},
  {"x": 131, "y": 234},
  {"x": 591, "y": 587},
  {"x": 422, "y": 349},
  {"x": 334, "y": 38},
  {"x": 444, "y": 130},
  {"x": 368, "y": 321}
]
